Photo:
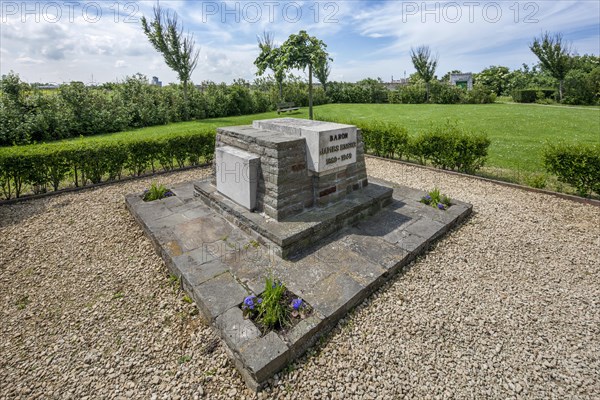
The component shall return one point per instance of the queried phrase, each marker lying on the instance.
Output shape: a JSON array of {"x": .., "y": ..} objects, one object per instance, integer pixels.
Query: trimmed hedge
[
  {"x": 84, "y": 161},
  {"x": 449, "y": 147},
  {"x": 446, "y": 146},
  {"x": 576, "y": 165}
]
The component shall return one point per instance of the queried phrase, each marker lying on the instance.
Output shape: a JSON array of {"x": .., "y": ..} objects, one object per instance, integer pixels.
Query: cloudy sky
[{"x": 59, "y": 41}]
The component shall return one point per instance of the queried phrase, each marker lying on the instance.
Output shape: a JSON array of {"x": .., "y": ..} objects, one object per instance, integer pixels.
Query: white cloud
[
  {"x": 28, "y": 60},
  {"x": 369, "y": 39},
  {"x": 121, "y": 64}
]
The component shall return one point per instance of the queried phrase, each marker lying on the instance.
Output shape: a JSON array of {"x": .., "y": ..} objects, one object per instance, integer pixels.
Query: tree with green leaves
[
  {"x": 494, "y": 78},
  {"x": 322, "y": 72},
  {"x": 178, "y": 49},
  {"x": 301, "y": 51},
  {"x": 554, "y": 54},
  {"x": 269, "y": 58},
  {"x": 425, "y": 64}
]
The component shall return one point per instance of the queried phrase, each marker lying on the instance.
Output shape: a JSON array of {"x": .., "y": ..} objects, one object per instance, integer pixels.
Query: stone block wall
[{"x": 286, "y": 186}]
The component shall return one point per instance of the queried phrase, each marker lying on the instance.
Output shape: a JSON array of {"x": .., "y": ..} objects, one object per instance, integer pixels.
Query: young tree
[
  {"x": 269, "y": 58},
  {"x": 555, "y": 56},
  {"x": 178, "y": 49},
  {"x": 424, "y": 63},
  {"x": 301, "y": 51},
  {"x": 322, "y": 72}
]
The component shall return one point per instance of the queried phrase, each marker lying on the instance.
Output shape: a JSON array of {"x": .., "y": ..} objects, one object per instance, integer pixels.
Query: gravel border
[
  {"x": 565, "y": 196},
  {"x": 507, "y": 306}
]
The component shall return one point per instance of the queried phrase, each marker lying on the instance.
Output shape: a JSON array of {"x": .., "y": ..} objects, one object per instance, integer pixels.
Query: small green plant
[
  {"x": 187, "y": 299},
  {"x": 437, "y": 200},
  {"x": 270, "y": 311},
  {"x": 538, "y": 181},
  {"x": 252, "y": 243},
  {"x": 118, "y": 295},
  {"x": 276, "y": 306},
  {"x": 157, "y": 192},
  {"x": 184, "y": 359},
  {"x": 22, "y": 302}
]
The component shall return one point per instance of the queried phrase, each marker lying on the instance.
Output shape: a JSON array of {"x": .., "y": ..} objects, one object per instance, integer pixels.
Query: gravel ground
[{"x": 507, "y": 306}]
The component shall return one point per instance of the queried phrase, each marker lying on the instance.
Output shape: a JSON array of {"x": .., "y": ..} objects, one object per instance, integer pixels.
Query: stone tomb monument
[
  {"x": 293, "y": 181},
  {"x": 290, "y": 198}
]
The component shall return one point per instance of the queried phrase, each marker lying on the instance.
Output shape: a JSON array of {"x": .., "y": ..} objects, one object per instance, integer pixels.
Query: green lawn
[{"x": 518, "y": 131}]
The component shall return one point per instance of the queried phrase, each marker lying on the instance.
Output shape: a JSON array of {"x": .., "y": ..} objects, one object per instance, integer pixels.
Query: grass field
[{"x": 518, "y": 131}]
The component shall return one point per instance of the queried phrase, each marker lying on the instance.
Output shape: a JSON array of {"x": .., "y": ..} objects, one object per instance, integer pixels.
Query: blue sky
[{"x": 56, "y": 41}]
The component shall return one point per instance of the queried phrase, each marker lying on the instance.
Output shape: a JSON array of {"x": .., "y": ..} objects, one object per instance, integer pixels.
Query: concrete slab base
[{"x": 219, "y": 264}]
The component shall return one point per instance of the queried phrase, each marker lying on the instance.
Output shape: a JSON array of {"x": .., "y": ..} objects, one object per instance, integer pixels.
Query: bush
[
  {"x": 365, "y": 91},
  {"x": 581, "y": 87},
  {"x": 384, "y": 138},
  {"x": 480, "y": 95},
  {"x": 410, "y": 94},
  {"x": 576, "y": 165},
  {"x": 448, "y": 147},
  {"x": 43, "y": 166},
  {"x": 444, "y": 93},
  {"x": 531, "y": 95}
]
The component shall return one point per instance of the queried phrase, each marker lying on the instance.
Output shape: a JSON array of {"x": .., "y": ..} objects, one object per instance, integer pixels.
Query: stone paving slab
[
  {"x": 291, "y": 235},
  {"x": 220, "y": 263}
]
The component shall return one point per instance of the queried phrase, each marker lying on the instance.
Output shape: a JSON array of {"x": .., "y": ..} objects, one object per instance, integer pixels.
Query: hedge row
[
  {"x": 446, "y": 146},
  {"x": 80, "y": 162},
  {"x": 532, "y": 95},
  {"x": 576, "y": 165}
]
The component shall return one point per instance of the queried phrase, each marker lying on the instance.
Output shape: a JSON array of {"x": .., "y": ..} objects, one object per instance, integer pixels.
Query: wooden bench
[{"x": 284, "y": 107}]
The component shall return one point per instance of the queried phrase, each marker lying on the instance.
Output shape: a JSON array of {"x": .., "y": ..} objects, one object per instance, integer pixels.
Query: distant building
[
  {"x": 395, "y": 83},
  {"x": 464, "y": 81},
  {"x": 156, "y": 82}
]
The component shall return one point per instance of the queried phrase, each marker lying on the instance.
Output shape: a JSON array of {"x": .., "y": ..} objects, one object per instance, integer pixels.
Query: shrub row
[
  {"x": 531, "y": 95},
  {"x": 80, "y": 162},
  {"x": 576, "y": 165},
  {"x": 445, "y": 146},
  {"x": 441, "y": 93},
  {"x": 449, "y": 147},
  {"x": 32, "y": 115}
]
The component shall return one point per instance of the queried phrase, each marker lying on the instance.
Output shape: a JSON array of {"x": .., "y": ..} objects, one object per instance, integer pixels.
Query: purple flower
[
  {"x": 441, "y": 206},
  {"x": 249, "y": 302},
  {"x": 296, "y": 304},
  {"x": 427, "y": 198}
]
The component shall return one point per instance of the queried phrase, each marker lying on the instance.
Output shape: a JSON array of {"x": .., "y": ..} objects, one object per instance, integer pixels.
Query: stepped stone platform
[
  {"x": 220, "y": 260},
  {"x": 292, "y": 235}
]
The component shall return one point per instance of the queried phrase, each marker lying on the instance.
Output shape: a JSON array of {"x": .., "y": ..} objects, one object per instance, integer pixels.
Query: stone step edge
[{"x": 287, "y": 247}]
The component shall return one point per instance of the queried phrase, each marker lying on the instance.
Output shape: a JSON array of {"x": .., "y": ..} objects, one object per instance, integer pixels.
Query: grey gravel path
[{"x": 507, "y": 306}]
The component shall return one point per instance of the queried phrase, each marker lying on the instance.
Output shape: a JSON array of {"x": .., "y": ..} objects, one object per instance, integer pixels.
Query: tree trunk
[
  {"x": 310, "y": 93},
  {"x": 560, "y": 91},
  {"x": 280, "y": 91},
  {"x": 427, "y": 92},
  {"x": 185, "y": 101}
]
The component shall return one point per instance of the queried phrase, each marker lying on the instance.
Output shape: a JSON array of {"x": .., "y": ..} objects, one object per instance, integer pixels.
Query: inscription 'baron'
[{"x": 339, "y": 136}]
